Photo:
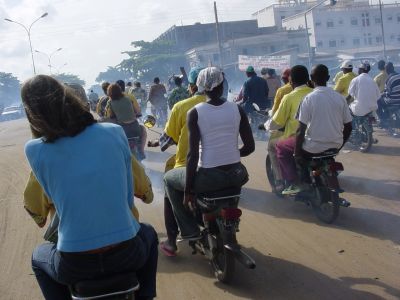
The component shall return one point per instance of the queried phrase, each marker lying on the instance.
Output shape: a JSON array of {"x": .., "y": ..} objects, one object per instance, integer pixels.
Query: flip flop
[{"x": 167, "y": 251}]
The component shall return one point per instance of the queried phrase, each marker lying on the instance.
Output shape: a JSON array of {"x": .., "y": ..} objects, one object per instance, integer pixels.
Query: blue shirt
[{"x": 89, "y": 179}]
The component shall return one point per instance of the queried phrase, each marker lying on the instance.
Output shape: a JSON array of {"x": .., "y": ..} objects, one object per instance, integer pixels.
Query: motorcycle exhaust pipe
[{"x": 241, "y": 256}]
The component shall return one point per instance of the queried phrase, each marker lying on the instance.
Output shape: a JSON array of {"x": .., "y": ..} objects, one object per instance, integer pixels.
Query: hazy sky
[{"x": 93, "y": 33}]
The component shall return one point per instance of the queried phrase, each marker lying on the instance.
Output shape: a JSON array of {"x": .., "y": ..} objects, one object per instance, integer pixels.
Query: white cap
[{"x": 347, "y": 64}]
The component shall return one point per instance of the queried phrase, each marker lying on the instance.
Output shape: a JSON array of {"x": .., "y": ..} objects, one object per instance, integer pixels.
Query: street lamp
[
  {"x": 58, "y": 69},
  {"x": 332, "y": 3},
  {"x": 28, "y": 31},
  {"x": 49, "y": 56},
  {"x": 383, "y": 32}
]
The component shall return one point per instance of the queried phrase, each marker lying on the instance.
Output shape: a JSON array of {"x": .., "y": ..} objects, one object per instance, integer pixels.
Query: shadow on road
[
  {"x": 274, "y": 278},
  {"x": 385, "y": 189},
  {"x": 369, "y": 222},
  {"x": 384, "y": 150}
]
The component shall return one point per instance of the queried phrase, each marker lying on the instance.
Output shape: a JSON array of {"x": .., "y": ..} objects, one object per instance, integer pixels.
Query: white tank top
[{"x": 219, "y": 129}]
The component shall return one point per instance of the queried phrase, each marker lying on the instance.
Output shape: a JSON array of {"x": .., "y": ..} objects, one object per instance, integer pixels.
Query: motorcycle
[
  {"x": 218, "y": 217},
  {"x": 362, "y": 134},
  {"x": 322, "y": 182},
  {"x": 116, "y": 287}
]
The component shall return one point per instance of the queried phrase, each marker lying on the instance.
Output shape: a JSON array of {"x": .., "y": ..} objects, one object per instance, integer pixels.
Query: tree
[
  {"x": 69, "y": 78},
  {"x": 10, "y": 90},
  {"x": 152, "y": 59},
  {"x": 112, "y": 74}
]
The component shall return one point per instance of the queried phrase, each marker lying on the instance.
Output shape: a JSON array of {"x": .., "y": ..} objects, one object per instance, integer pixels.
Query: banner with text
[{"x": 258, "y": 62}]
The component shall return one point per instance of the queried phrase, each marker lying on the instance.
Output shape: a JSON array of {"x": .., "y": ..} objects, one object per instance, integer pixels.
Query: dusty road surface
[{"x": 297, "y": 257}]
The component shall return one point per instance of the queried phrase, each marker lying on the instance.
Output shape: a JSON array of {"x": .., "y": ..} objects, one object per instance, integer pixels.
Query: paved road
[{"x": 297, "y": 257}]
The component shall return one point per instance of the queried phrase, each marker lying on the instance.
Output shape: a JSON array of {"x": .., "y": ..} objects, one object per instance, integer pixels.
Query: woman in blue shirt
[{"x": 92, "y": 192}]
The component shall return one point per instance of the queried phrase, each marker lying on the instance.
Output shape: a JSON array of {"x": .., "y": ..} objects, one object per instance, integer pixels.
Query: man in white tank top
[{"x": 214, "y": 154}]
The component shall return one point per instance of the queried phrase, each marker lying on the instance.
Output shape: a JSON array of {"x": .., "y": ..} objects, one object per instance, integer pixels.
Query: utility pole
[
  {"x": 221, "y": 60},
  {"x": 383, "y": 31}
]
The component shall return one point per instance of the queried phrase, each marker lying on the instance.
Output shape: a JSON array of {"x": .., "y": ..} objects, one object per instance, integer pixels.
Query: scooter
[
  {"x": 218, "y": 216},
  {"x": 322, "y": 182}
]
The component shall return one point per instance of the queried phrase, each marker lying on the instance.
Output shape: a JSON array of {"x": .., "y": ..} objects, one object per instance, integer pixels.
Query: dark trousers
[{"x": 56, "y": 270}]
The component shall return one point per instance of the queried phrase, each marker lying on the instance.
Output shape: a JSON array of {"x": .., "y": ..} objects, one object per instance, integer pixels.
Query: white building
[
  {"x": 273, "y": 15},
  {"x": 350, "y": 24}
]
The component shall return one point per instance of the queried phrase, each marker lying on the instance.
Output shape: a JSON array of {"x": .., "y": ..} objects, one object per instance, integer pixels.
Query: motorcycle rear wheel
[
  {"x": 366, "y": 139},
  {"x": 327, "y": 205},
  {"x": 223, "y": 262},
  {"x": 271, "y": 176}
]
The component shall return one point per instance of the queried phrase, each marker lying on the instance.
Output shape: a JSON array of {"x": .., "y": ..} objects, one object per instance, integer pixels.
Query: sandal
[{"x": 167, "y": 250}]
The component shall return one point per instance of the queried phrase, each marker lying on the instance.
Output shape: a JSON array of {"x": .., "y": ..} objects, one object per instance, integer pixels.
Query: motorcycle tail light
[
  {"x": 231, "y": 213},
  {"x": 336, "y": 166},
  {"x": 209, "y": 217}
]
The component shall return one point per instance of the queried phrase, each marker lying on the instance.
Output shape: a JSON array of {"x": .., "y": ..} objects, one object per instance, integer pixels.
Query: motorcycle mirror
[
  {"x": 256, "y": 107},
  {"x": 149, "y": 121}
]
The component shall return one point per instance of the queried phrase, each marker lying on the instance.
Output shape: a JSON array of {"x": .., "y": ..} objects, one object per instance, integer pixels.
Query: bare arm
[
  {"x": 193, "y": 154},
  {"x": 300, "y": 134},
  {"x": 245, "y": 134},
  {"x": 347, "y": 131}
]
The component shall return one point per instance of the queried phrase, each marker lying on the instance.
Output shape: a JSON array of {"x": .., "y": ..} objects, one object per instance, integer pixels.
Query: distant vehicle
[{"x": 13, "y": 112}]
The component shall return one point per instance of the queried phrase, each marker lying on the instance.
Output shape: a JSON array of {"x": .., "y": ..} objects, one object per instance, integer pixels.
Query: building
[
  {"x": 273, "y": 15},
  {"x": 273, "y": 43},
  {"x": 189, "y": 36},
  {"x": 350, "y": 24}
]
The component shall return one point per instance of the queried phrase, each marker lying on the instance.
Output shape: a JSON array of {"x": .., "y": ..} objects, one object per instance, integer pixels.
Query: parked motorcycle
[
  {"x": 362, "y": 135},
  {"x": 323, "y": 185},
  {"x": 218, "y": 216}
]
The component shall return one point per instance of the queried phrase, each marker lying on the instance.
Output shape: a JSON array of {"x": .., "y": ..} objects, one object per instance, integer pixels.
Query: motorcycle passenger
[
  {"x": 282, "y": 91},
  {"x": 255, "y": 90},
  {"x": 324, "y": 124},
  {"x": 101, "y": 105},
  {"x": 157, "y": 99},
  {"x": 140, "y": 95},
  {"x": 343, "y": 83},
  {"x": 365, "y": 92},
  {"x": 380, "y": 79},
  {"x": 273, "y": 82},
  {"x": 285, "y": 117},
  {"x": 143, "y": 133},
  {"x": 98, "y": 235},
  {"x": 178, "y": 93},
  {"x": 391, "y": 95},
  {"x": 176, "y": 133},
  {"x": 214, "y": 128}
]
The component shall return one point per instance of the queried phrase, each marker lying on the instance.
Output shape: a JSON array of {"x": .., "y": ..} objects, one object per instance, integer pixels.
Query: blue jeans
[
  {"x": 206, "y": 180},
  {"x": 56, "y": 270}
]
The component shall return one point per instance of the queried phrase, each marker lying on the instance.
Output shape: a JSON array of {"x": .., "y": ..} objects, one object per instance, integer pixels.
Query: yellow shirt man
[
  {"x": 176, "y": 127},
  {"x": 285, "y": 116},
  {"x": 342, "y": 85},
  {"x": 380, "y": 80},
  {"x": 282, "y": 91}
]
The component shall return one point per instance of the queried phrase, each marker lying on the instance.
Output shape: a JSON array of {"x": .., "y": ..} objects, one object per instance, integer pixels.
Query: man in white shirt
[
  {"x": 324, "y": 123},
  {"x": 364, "y": 91}
]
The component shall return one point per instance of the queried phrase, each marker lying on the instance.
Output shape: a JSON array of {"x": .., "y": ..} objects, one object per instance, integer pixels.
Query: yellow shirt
[
  {"x": 285, "y": 116},
  {"x": 176, "y": 127},
  {"x": 282, "y": 91},
  {"x": 342, "y": 85},
  {"x": 337, "y": 76},
  {"x": 380, "y": 80}
]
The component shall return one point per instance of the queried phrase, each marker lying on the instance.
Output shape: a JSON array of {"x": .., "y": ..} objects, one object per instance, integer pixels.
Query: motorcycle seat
[
  {"x": 235, "y": 191},
  {"x": 326, "y": 154},
  {"x": 105, "y": 287}
]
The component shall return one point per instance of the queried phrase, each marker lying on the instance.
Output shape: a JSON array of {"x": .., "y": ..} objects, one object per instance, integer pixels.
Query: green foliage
[
  {"x": 10, "y": 90},
  {"x": 152, "y": 59},
  {"x": 69, "y": 78},
  {"x": 112, "y": 74}
]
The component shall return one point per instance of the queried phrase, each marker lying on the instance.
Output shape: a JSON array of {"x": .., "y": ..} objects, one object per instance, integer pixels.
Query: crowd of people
[{"x": 99, "y": 233}]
